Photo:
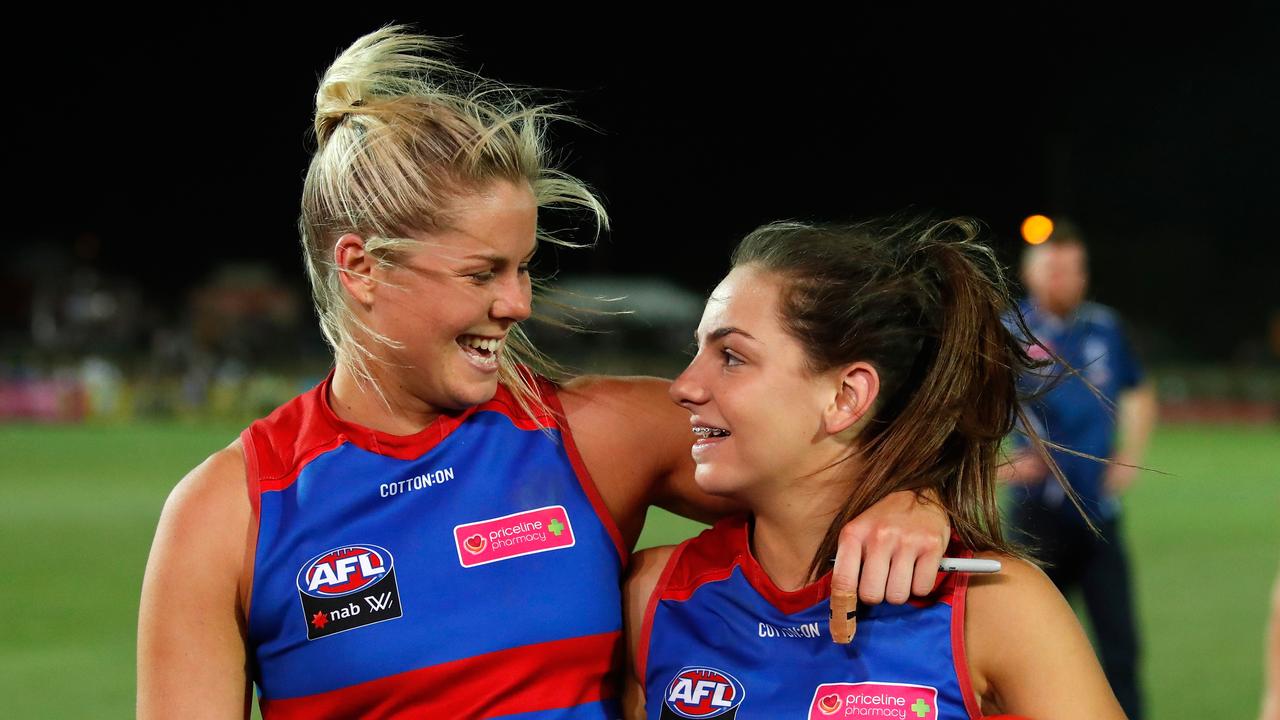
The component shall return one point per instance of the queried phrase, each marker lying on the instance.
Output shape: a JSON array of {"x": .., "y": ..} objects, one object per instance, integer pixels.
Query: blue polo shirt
[{"x": 1067, "y": 412}]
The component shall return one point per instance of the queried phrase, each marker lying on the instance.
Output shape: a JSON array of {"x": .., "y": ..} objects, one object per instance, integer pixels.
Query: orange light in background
[{"x": 1036, "y": 229}]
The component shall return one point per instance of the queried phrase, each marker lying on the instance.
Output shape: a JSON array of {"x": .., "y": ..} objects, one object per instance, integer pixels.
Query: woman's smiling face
[
  {"x": 452, "y": 301},
  {"x": 756, "y": 406}
]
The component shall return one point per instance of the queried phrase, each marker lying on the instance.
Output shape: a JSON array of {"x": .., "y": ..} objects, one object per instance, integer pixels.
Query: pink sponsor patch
[
  {"x": 874, "y": 700},
  {"x": 510, "y": 536}
]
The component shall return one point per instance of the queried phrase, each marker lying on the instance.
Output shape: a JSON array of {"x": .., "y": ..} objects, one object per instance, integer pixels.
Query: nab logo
[
  {"x": 343, "y": 571},
  {"x": 702, "y": 692},
  {"x": 346, "y": 588}
]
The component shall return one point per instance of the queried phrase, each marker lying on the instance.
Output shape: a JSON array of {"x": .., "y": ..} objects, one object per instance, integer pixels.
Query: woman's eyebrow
[
  {"x": 495, "y": 258},
  {"x": 725, "y": 331}
]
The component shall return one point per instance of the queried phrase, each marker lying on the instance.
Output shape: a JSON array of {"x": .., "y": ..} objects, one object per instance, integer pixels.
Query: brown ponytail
[{"x": 928, "y": 306}]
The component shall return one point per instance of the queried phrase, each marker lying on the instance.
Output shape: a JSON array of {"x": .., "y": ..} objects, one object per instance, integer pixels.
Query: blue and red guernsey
[
  {"x": 467, "y": 571},
  {"x": 720, "y": 640}
]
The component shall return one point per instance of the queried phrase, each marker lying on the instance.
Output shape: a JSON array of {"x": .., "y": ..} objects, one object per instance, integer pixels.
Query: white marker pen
[{"x": 969, "y": 565}]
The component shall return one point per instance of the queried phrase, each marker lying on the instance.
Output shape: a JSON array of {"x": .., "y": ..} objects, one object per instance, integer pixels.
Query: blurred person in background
[
  {"x": 1104, "y": 408},
  {"x": 1271, "y": 666},
  {"x": 437, "y": 529}
]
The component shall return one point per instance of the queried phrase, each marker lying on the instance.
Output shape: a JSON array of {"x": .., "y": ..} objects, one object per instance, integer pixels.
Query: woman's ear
[
  {"x": 858, "y": 386},
  {"x": 355, "y": 268}
]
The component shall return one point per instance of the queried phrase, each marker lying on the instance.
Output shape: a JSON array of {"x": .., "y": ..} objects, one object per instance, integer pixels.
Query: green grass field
[{"x": 78, "y": 506}]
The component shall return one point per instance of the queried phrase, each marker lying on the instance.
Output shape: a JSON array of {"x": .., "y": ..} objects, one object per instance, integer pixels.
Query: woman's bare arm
[
  {"x": 191, "y": 634},
  {"x": 646, "y": 570},
  {"x": 1027, "y": 653}
]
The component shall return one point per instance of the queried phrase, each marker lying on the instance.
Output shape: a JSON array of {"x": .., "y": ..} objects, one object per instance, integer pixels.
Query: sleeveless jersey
[
  {"x": 468, "y": 571},
  {"x": 720, "y": 640}
]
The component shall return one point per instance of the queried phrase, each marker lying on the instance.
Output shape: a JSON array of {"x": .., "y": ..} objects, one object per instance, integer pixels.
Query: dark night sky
[{"x": 181, "y": 142}]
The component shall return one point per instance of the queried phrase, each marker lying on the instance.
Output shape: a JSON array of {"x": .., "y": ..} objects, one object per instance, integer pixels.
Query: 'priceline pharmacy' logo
[
  {"x": 511, "y": 536},
  {"x": 881, "y": 701}
]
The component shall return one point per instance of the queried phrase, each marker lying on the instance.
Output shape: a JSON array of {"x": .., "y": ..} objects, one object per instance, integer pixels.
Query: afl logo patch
[
  {"x": 346, "y": 588},
  {"x": 702, "y": 692}
]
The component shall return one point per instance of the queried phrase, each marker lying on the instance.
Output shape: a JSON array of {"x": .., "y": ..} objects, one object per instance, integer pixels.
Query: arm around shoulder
[
  {"x": 192, "y": 660},
  {"x": 636, "y": 443},
  {"x": 1027, "y": 653}
]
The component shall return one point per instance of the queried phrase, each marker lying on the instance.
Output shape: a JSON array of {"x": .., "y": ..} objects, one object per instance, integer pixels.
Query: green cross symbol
[
  {"x": 555, "y": 527},
  {"x": 921, "y": 708}
]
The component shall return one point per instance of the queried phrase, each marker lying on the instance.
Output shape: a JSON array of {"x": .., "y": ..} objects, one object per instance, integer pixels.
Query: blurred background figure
[
  {"x": 1271, "y": 680},
  {"x": 1102, "y": 407}
]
